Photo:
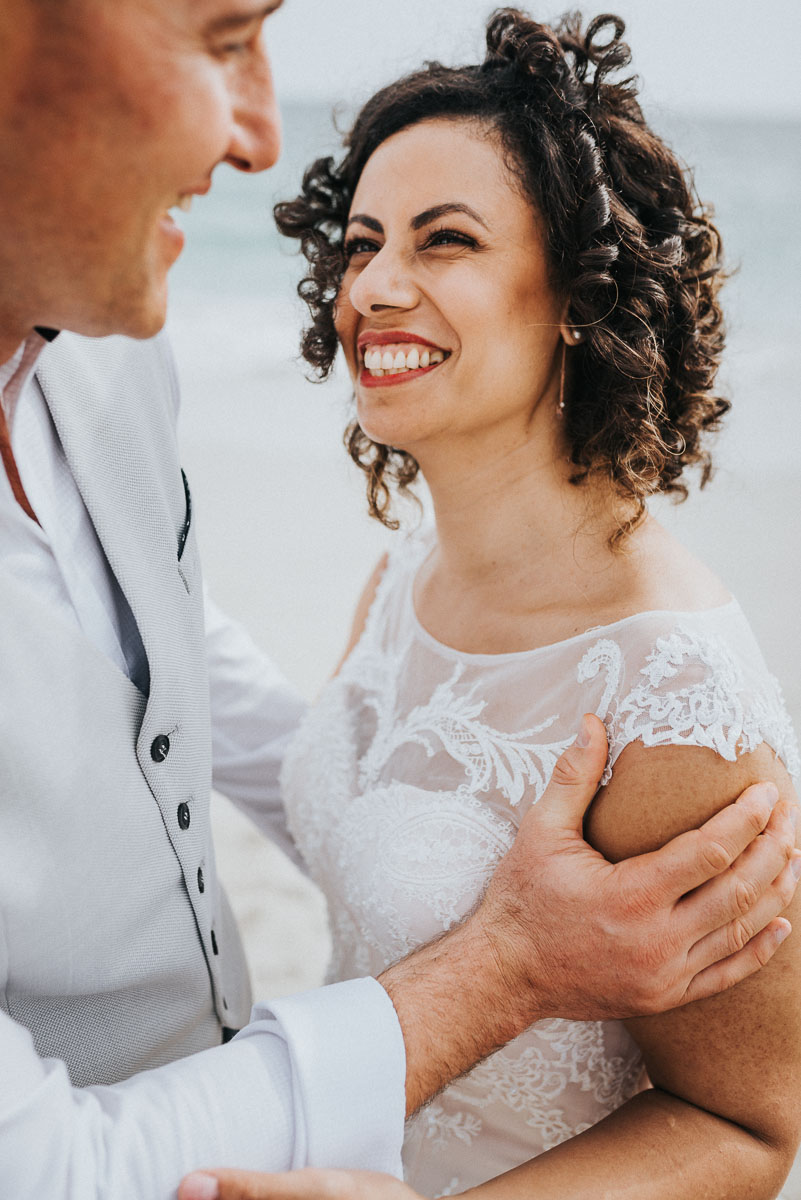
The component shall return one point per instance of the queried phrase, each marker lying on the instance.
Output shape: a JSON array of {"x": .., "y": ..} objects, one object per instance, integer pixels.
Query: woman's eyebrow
[
  {"x": 443, "y": 210},
  {"x": 370, "y": 222}
]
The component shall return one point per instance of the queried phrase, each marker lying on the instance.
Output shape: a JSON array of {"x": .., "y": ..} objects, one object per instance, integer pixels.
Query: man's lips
[
  {"x": 168, "y": 225},
  {"x": 172, "y": 233}
]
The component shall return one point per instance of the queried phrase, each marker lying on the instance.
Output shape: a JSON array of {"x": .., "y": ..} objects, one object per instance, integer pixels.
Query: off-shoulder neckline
[{"x": 729, "y": 606}]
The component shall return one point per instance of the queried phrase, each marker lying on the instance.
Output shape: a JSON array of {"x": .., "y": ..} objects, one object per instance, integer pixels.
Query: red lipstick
[{"x": 385, "y": 337}]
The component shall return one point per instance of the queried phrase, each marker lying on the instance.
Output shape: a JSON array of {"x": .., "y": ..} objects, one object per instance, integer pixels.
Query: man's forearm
[{"x": 455, "y": 1001}]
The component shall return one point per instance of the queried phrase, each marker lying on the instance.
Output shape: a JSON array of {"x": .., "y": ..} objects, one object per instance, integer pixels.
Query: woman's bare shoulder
[
  {"x": 658, "y": 792},
  {"x": 363, "y": 606},
  {"x": 666, "y": 575}
]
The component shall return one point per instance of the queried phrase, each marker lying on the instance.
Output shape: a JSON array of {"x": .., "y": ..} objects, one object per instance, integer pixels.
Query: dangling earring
[{"x": 578, "y": 336}]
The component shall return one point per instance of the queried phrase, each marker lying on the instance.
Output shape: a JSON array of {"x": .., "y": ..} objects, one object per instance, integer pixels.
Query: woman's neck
[{"x": 510, "y": 517}]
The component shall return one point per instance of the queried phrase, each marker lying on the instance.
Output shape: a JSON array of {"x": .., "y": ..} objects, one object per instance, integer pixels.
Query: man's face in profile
[{"x": 114, "y": 112}]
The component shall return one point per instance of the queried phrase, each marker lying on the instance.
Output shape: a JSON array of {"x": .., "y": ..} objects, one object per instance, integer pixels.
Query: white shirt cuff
[{"x": 348, "y": 1065}]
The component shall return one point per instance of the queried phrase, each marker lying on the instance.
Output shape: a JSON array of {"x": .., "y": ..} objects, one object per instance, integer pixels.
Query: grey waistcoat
[{"x": 117, "y": 947}]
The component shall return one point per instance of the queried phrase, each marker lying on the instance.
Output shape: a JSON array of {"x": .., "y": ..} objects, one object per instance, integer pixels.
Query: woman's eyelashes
[
  {"x": 448, "y": 237},
  {"x": 436, "y": 238},
  {"x": 360, "y": 245}
]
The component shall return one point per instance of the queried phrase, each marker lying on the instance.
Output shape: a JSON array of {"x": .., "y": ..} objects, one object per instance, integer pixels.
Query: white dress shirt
[{"x": 316, "y": 1079}]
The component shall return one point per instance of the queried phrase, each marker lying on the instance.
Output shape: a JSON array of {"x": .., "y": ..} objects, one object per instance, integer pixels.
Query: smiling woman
[
  {"x": 525, "y": 290},
  {"x": 633, "y": 261}
]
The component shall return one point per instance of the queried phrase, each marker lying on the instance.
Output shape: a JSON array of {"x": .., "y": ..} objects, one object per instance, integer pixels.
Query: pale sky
[{"x": 718, "y": 56}]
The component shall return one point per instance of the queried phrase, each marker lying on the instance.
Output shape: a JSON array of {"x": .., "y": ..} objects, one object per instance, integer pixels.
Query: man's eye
[
  {"x": 246, "y": 40},
  {"x": 360, "y": 245},
  {"x": 231, "y": 49}
]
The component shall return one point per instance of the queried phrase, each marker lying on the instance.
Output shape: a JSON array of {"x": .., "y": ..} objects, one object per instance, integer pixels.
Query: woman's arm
[{"x": 723, "y": 1120}]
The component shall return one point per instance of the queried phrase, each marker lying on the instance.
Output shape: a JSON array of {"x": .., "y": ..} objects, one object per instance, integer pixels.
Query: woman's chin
[{"x": 401, "y": 435}]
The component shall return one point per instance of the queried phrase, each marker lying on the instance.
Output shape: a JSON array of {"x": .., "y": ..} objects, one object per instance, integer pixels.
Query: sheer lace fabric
[{"x": 408, "y": 780}]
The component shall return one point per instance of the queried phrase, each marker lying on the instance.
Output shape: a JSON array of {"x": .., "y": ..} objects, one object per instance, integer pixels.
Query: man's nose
[
  {"x": 256, "y": 137},
  {"x": 384, "y": 282}
]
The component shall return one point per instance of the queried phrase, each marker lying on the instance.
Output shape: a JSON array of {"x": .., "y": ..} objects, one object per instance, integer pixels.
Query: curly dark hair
[{"x": 630, "y": 247}]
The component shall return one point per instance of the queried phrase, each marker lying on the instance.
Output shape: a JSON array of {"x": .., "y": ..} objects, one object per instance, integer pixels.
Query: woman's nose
[{"x": 384, "y": 282}]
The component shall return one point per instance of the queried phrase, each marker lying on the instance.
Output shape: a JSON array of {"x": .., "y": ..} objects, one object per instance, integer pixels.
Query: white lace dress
[{"x": 407, "y": 781}]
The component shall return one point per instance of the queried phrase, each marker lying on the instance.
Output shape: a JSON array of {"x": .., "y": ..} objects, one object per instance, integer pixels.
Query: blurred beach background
[{"x": 285, "y": 539}]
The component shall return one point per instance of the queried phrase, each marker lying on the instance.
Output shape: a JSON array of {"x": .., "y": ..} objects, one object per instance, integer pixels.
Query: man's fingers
[
  {"x": 693, "y": 858},
  {"x": 199, "y": 1186},
  {"x": 739, "y": 966},
  {"x": 750, "y": 880},
  {"x": 306, "y": 1184},
  {"x": 576, "y": 777},
  {"x": 250, "y": 1185},
  {"x": 733, "y": 936}
]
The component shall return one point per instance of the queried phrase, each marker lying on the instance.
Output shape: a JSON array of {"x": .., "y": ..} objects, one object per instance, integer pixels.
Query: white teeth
[
  {"x": 184, "y": 203},
  {"x": 388, "y": 362}
]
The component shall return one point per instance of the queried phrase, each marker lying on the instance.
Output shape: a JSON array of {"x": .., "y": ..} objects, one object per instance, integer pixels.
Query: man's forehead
[{"x": 206, "y": 13}]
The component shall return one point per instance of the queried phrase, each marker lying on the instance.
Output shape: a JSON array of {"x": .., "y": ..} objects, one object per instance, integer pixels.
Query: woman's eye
[
  {"x": 360, "y": 246},
  {"x": 449, "y": 237}
]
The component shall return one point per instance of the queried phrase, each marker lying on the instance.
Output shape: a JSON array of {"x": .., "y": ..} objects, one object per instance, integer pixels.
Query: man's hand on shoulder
[
  {"x": 562, "y": 932},
  {"x": 308, "y": 1184},
  {"x": 650, "y": 932}
]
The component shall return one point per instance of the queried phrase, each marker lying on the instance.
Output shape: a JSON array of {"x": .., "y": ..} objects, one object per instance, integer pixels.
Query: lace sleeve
[{"x": 694, "y": 688}]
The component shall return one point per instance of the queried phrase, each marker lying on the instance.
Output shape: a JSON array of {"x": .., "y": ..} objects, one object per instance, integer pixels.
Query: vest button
[
  {"x": 201, "y": 883},
  {"x": 160, "y": 748},
  {"x": 184, "y": 816},
  {"x": 214, "y": 945}
]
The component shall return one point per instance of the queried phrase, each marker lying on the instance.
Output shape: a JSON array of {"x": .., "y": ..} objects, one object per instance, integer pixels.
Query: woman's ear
[{"x": 571, "y": 335}]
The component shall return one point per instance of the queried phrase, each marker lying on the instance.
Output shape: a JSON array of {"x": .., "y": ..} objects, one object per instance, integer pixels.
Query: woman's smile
[{"x": 394, "y": 356}]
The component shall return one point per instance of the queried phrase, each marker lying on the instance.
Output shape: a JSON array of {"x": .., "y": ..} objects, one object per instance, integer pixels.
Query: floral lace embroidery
[
  {"x": 440, "y": 1126},
  {"x": 490, "y": 757},
  {"x": 709, "y": 711},
  {"x": 532, "y": 1079}
]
